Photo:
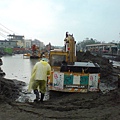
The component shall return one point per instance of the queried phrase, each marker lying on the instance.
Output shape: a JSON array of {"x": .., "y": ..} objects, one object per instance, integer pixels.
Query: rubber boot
[
  {"x": 42, "y": 97},
  {"x": 37, "y": 95}
]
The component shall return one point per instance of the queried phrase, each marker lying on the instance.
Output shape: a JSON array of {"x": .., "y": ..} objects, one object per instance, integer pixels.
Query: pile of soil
[
  {"x": 10, "y": 89},
  {"x": 108, "y": 73},
  {"x": 67, "y": 106}
]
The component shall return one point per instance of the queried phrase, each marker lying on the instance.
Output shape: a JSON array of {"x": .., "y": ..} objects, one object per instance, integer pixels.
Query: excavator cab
[
  {"x": 57, "y": 60},
  {"x": 57, "y": 57}
]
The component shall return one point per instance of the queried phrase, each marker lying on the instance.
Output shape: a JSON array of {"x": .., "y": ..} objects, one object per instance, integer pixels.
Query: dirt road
[
  {"x": 78, "y": 106},
  {"x": 74, "y": 106}
]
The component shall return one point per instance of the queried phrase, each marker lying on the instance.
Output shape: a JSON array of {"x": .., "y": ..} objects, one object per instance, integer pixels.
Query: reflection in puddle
[{"x": 29, "y": 97}]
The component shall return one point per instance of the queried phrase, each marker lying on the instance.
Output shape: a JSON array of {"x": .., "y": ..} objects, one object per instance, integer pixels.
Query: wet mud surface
[{"x": 65, "y": 106}]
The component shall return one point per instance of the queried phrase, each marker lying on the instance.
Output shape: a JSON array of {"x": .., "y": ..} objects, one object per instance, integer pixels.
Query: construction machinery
[
  {"x": 68, "y": 75},
  {"x": 35, "y": 52}
]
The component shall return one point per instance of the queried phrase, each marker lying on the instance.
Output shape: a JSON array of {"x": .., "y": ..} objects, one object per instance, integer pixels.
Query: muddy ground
[{"x": 68, "y": 106}]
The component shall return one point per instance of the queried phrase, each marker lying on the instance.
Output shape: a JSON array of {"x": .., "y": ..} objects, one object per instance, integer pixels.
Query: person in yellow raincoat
[{"x": 38, "y": 80}]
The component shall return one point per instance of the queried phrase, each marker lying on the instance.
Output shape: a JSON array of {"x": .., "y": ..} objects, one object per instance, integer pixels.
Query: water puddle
[
  {"x": 106, "y": 88},
  {"x": 26, "y": 96}
]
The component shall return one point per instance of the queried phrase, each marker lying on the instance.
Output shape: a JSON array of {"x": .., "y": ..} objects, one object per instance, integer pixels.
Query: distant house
[
  {"x": 6, "y": 47},
  {"x": 48, "y": 47},
  {"x": 18, "y": 38},
  {"x": 42, "y": 46},
  {"x": 38, "y": 43},
  {"x": 8, "y": 44},
  {"x": 27, "y": 43}
]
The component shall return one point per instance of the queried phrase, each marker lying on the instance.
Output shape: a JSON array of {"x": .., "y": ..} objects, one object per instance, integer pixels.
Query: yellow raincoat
[{"x": 39, "y": 72}]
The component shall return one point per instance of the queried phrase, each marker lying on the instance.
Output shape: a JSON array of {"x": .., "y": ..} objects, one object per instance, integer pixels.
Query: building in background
[
  {"x": 8, "y": 44},
  {"x": 38, "y": 43},
  {"x": 42, "y": 45},
  {"x": 18, "y": 38},
  {"x": 6, "y": 47},
  {"x": 48, "y": 47},
  {"x": 18, "y": 44},
  {"x": 27, "y": 43}
]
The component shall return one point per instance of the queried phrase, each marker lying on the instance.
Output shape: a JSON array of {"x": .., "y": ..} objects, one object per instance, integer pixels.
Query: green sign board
[
  {"x": 68, "y": 79},
  {"x": 84, "y": 80}
]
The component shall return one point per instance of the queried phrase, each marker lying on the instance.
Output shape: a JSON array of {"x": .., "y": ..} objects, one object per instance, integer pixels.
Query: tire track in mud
[
  {"x": 37, "y": 109},
  {"x": 75, "y": 106},
  {"x": 64, "y": 104}
]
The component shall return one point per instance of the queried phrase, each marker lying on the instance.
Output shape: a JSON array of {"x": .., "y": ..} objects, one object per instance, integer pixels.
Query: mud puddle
[
  {"x": 30, "y": 96},
  {"x": 26, "y": 96}
]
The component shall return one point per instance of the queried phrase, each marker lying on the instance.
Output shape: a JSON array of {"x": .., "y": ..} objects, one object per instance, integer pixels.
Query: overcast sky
[{"x": 49, "y": 20}]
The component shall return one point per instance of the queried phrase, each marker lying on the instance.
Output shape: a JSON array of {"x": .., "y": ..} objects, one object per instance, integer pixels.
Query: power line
[
  {"x": 4, "y": 31},
  {"x": 6, "y": 27},
  {"x": 1, "y": 34}
]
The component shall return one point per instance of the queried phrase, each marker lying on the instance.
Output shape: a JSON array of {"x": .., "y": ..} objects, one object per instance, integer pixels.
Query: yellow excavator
[{"x": 68, "y": 75}]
